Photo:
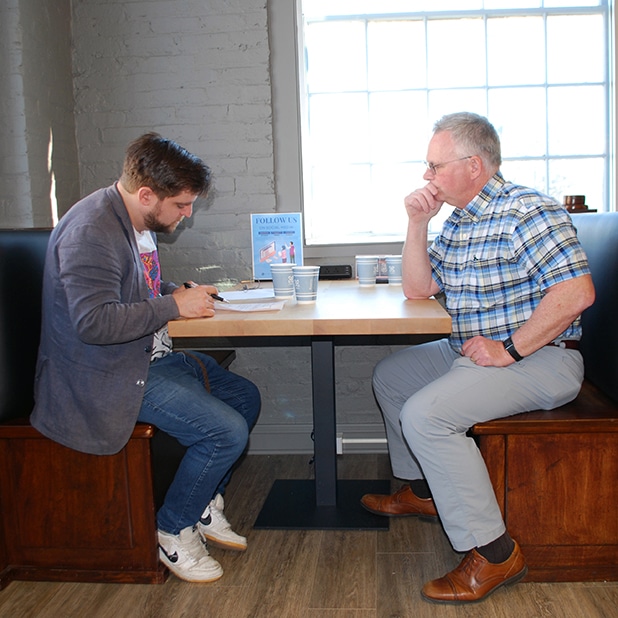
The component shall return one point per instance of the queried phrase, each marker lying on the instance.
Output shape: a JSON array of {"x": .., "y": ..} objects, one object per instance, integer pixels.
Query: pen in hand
[{"x": 215, "y": 296}]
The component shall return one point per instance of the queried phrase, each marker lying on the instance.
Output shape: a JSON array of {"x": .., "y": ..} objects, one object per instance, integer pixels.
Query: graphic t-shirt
[{"x": 149, "y": 255}]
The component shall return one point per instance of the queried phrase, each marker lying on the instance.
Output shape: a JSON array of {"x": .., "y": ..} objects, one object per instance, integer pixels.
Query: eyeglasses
[{"x": 434, "y": 167}]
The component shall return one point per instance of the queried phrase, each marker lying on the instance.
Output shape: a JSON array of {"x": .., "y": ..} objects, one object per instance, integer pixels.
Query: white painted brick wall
[
  {"x": 197, "y": 72},
  {"x": 37, "y": 133}
]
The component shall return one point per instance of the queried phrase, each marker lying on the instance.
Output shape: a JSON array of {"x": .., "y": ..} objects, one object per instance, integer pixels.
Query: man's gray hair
[{"x": 473, "y": 135}]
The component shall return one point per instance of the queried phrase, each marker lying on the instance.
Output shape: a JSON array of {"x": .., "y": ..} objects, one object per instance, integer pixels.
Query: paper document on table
[
  {"x": 276, "y": 305},
  {"x": 258, "y": 293}
]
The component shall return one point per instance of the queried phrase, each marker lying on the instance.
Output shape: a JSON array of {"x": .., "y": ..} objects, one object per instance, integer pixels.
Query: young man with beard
[{"x": 106, "y": 360}]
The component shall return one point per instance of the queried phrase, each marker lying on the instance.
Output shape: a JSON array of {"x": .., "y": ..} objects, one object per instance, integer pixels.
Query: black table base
[
  {"x": 291, "y": 505},
  {"x": 326, "y": 503}
]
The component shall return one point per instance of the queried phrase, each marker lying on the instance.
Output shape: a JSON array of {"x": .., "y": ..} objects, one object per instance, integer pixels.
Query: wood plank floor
[{"x": 310, "y": 574}]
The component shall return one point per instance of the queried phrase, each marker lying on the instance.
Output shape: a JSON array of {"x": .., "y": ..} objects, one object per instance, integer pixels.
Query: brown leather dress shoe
[
  {"x": 475, "y": 578},
  {"x": 400, "y": 504}
]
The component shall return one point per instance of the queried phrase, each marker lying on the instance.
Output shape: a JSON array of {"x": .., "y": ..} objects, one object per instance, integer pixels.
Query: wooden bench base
[
  {"x": 555, "y": 475},
  {"x": 70, "y": 516}
]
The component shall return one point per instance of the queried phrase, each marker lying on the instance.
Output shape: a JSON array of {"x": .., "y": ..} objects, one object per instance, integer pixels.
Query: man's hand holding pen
[
  {"x": 191, "y": 284},
  {"x": 196, "y": 301}
]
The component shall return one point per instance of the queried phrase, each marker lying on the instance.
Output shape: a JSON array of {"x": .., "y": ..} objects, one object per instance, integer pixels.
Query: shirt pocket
[{"x": 485, "y": 280}]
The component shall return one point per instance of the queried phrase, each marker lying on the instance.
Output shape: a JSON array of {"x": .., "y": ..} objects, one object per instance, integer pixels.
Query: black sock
[
  {"x": 499, "y": 550},
  {"x": 420, "y": 489}
]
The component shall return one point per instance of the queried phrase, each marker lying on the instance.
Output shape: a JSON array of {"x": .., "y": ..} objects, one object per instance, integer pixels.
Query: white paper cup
[
  {"x": 393, "y": 265},
  {"x": 306, "y": 283},
  {"x": 366, "y": 269},
  {"x": 283, "y": 280}
]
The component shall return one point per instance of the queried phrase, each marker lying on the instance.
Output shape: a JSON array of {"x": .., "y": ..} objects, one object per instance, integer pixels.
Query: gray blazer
[{"x": 97, "y": 328}]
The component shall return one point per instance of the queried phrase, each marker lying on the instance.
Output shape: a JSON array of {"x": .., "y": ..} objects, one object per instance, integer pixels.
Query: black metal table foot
[{"x": 291, "y": 505}]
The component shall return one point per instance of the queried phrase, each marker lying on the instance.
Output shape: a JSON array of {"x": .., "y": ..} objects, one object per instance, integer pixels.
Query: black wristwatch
[{"x": 509, "y": 346}]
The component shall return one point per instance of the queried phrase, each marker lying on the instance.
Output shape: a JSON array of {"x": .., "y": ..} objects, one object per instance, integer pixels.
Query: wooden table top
[{"x": 342, "y": 308}]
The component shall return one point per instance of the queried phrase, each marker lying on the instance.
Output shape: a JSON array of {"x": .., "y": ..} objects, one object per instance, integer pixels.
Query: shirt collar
[{"x": 475, "y": 208}]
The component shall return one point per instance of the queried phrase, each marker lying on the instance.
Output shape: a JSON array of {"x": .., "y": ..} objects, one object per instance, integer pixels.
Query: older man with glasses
[{"x": 515, "y": 281}]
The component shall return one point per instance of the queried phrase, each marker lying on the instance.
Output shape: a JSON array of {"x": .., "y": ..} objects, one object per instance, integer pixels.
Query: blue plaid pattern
[{"x": 495, "y": 258}]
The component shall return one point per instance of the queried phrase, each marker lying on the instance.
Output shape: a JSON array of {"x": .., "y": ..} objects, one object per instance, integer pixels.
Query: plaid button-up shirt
[{"x": 495, "y": 259}]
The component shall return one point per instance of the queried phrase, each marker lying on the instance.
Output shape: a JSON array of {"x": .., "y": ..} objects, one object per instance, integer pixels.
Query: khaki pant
[{"x": 430, "y": 396}]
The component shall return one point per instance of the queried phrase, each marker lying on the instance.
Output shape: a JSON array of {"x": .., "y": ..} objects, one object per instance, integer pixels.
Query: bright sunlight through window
[{"x": 376, "y": 76}]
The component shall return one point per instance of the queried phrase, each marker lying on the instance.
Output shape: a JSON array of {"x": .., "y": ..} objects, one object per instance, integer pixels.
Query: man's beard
[{"x": 154, "y": 225}]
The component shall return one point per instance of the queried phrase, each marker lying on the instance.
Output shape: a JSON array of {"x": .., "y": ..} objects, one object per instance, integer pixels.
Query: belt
[{"x": 571, "y": 344}]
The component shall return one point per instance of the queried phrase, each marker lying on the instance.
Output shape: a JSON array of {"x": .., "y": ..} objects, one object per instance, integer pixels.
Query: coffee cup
[
  {"x": 393, "y": 266},
  {"x": 306, "y": 283},
  {"x": 366, "y": 269},
  {"x": 283, "y": 280}
]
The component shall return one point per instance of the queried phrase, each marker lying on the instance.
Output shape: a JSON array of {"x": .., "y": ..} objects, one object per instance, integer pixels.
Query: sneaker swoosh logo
[{"x": 171, "y": 557}]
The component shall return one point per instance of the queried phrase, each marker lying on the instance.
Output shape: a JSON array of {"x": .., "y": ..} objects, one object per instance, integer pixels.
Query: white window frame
[{"x": 284, "y": 26}]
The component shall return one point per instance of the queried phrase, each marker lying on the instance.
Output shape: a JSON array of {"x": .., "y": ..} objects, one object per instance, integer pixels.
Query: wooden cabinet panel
[
  {"x": 71, "y": 516},
  {"x": 562, "y": 489},
  {"x": 559, "y": 496}
]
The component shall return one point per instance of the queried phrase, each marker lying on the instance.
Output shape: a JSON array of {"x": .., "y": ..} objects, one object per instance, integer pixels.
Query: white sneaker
[
  {"x": 215, "y": 528},
  {"x": 186, "y": 556}
]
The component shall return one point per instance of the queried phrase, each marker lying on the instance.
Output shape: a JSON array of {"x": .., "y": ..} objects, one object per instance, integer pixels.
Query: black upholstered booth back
[
  {"x": 598, "y": 233},
  {"x": 22, "y": 260},
  {"x": 22, "y": 257}
]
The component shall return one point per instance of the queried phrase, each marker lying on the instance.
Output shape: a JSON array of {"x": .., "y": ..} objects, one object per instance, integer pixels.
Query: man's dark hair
[{"x": 165, "y": 167}]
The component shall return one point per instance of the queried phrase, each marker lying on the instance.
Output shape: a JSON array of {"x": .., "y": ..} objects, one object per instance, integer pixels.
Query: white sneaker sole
[{"x": 222, "y": 544}]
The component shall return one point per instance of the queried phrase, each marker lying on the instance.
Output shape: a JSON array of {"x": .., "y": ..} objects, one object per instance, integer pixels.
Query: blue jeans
[{"x": 213, "y": 426}]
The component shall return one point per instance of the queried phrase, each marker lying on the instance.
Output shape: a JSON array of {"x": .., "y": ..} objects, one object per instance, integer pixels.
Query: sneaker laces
[
  {"x": 213, "y": 514},
  {"x": 193, "y": 547}
]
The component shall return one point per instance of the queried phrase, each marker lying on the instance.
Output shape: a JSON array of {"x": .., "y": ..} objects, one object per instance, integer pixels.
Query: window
[{"x": 375, "y": 76}]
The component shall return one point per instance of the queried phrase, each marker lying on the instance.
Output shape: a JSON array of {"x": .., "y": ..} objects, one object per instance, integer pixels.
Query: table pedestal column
[{"x": 324, "y": 503}]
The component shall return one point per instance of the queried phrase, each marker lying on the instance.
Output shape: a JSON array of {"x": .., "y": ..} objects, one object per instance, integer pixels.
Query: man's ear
[
  {"x": 476, "y": 166},
  {"x": 146, "y": 196}
]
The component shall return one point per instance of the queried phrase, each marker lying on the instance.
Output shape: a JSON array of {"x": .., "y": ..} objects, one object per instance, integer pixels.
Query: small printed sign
[{"x": 276, "y": 238}]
